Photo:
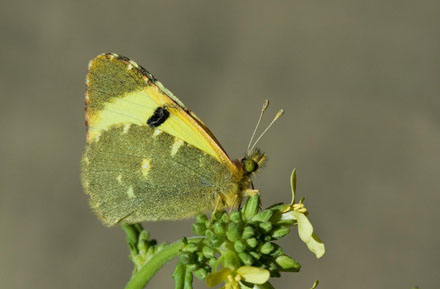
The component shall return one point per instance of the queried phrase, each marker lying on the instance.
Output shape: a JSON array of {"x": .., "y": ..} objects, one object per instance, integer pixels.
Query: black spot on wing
[{"x": 159, "y": 116}]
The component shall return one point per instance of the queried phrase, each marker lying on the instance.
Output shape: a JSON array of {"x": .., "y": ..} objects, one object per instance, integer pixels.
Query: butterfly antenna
[
  {"x": 277, "y": 116},
  {"x": 263, "y": 109}
]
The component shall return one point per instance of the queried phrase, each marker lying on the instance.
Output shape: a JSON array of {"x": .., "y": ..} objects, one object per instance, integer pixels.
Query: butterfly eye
[{"x": 249, "y": 165}]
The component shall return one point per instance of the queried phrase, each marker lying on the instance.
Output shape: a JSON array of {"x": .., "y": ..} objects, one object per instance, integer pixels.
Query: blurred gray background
[{"x": 359, "y": 81}]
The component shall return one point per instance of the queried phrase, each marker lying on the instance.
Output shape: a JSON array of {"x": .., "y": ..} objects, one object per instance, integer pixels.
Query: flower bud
[
  {"x": 288, "y": 264},
  {"x": 256, "y": 255},
  {"x": 245, "y": 258},
  {"x": 234, "y": 231},
  {"x": 212, "y": 262},
  {"x": 250, "y": 208},
  {"x": 280, "y": 232},
  {"x": 191, "y": 267},
  {"x": 219, "y": 228},
  {"x": 200, "y": 257},
  {"x": 201, "y": 219},
  {"x": 252, "y": 242},
  {"x": 200, "y": 273},
  {"x": 208, "y": 252},
  {"x": 266, "y": 248},
  {"x": 248, "y": 232},
  {"x": 199, "y": 228},
  {"x": 218, "y": 215},
  {"x": 235, "y": 217},
  {"x": 239, "y": 246},
  {"x": 263, "y": 216},
  {"x": 266, "y": 226},
  {"x": 277, "y": 251},
  {"x": 186, "y": 258},
  {"x": 190, "y": 248}
]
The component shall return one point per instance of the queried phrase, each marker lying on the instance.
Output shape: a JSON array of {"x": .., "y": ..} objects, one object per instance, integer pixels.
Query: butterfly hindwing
[{"x": 158, "y": 178}]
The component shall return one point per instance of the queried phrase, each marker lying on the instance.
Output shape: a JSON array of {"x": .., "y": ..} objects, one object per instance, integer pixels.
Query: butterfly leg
[
  {"x": 235, "y": 200},
  {"x": 217, "y": 205},
  {"x": 234, "y": 204}
]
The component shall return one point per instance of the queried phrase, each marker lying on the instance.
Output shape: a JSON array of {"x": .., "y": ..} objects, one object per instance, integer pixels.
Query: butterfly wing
[
  {"x": 133, "y": 175},
  {"x": 148, "y": 157},
  {"x": 119, "y": 91}
]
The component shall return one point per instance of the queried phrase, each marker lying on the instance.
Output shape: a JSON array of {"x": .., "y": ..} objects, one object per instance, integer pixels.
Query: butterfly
[{"x": 148, "y": 157}]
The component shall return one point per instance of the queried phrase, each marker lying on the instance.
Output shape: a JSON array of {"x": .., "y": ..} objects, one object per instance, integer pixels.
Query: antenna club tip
[
  {"x": 265, "y": 105},
  {"x": 279, "y": 114}
]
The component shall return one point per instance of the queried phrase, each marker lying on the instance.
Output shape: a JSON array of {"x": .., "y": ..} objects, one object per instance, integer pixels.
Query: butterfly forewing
[
  {"x": 121, "y": 92},
  {"x": 148, "y": 157}
]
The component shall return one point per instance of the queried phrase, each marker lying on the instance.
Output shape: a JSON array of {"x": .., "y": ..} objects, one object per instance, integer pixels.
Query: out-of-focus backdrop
[{"x": 360, "y": 84}]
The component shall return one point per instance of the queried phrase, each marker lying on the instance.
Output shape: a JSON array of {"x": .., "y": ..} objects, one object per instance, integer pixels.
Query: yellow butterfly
[{"x": 148, "y": 157}]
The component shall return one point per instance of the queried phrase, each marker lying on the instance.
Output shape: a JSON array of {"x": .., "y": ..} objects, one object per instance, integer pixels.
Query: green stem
[{"x": 141, "y": 278}]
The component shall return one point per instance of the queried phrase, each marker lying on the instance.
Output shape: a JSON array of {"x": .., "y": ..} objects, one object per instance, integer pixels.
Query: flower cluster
[{"x": 239, "y": 248}]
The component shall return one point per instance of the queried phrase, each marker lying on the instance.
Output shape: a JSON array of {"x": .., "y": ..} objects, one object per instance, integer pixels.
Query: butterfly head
[{"x": 252, "y": 161}]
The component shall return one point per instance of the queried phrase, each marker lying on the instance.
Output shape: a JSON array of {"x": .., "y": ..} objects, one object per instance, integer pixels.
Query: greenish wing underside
[
  {"x": 110, "y": 79},
  {"x": 133, "y": 174},
  {"x": 121, "y": 92}
]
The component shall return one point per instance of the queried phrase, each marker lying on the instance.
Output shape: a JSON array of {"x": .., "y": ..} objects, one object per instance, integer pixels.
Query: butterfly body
[{"x": 148, "y": 157}]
